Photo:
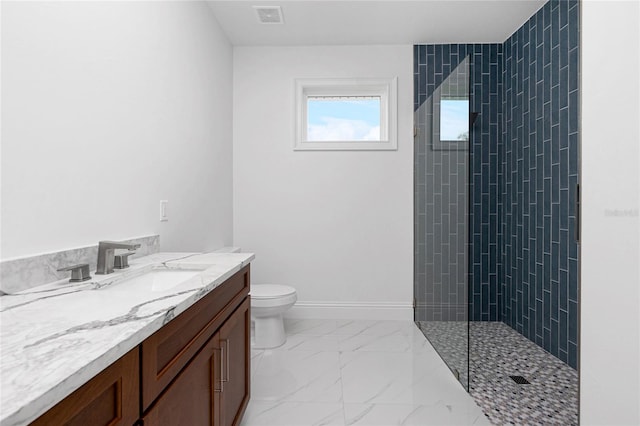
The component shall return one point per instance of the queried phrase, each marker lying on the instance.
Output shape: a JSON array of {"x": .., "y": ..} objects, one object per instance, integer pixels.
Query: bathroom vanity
[{"x": 180, "y": 354}]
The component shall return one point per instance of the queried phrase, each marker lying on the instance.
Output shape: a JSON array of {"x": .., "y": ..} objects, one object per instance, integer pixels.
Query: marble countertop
[{"x": 55, "y": 337}]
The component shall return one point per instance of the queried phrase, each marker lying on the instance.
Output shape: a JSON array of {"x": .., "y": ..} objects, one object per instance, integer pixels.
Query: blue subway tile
[
  {"x": 573, "y": 155},
  {"x": 564, "y": 47},
  {"x": 573, "y": 112},
  {"x": 547, "y": 199},
  {"x": 573, "y": 322},
  {"x": 422, "y": 82},
  {"x": 446, "y": 54},
  {"x": 555, "y": 66},
  {"x": 563, "y": 287},
  {"x": 574, "y": 68},
  {"x": 573, "y": 280},
  {"x": 547, "y": 339},
  {"x": 555, "y": 295},
  {"x": 546, "y": 17},
  {"x": 564, "y": 124},
  {"x": 573, "y": 356},
  {"x": 564, "y": 250},
  {"x": 564, "y": 13},
  {"x": 563, "y": 331},
  {"x": 553, "y": 345}
]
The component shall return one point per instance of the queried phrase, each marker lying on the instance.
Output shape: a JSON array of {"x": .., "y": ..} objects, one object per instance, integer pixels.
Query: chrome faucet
[{"x": 106, "y": 254}]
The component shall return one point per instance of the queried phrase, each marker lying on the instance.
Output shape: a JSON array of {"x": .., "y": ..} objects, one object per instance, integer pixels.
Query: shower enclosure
[
  {"x": 496, "y": 216},
  {"x": 441, "y": 210}
]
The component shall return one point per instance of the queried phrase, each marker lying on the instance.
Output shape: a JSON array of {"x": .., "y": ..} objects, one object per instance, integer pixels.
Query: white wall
[
  {"x": 338, "y": 226},
  {"x": 610, "y": 282},
  {"x": 107, "y": 108}
]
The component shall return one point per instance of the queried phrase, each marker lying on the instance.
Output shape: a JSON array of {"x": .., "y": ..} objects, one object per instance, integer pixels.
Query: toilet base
[{"x": 269, "y": 332}]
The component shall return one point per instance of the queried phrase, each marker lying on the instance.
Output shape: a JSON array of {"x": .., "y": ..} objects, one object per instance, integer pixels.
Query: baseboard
[{"x": 351, "y": 310}]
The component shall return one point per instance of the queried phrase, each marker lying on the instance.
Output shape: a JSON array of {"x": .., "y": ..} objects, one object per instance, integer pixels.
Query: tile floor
[
  {"x": 335, "y": 372},
  {"x": 451, "y": 340},
  {"x": 497, "y": 352}
]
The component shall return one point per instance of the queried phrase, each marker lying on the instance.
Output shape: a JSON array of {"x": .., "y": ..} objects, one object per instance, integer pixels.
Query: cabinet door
[
  {"x": 192, "y": 399},
  {"x": 235, "y": 344},
  {"x": 111, "y": 398},
  {"x": 167, "y": 351}
]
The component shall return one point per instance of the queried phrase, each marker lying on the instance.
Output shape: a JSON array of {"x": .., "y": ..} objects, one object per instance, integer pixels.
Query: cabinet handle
[
  {"x": 213, "y": 372},
  {"x": 226, "y": 375}
]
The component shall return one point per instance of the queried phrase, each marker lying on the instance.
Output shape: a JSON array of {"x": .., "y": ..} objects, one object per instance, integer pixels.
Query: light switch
[{"x": 163, "y": 210}]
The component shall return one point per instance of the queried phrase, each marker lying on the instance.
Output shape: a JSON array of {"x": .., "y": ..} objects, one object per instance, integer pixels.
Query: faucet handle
[
  {"x": 121, "y": 261},
  {"x": 79, "y": 272}
]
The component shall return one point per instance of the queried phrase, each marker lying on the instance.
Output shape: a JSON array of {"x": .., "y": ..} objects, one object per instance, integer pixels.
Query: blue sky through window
[
  {"x": 454, "y": 120},
  {"x": 348, "y": 119}
]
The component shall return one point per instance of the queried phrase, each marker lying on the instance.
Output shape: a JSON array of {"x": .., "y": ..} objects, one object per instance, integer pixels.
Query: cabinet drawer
[
  {"x": 110, "y": 398},
  {"x": 166, "y": 352}
]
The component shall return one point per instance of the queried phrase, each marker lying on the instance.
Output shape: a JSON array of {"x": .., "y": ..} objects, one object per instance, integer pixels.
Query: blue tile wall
[
  {"x": 441, "y": 194},
  {"x": 484, "y": 167},
  {"x": 539, "y": 174},
  {"x": 438, "y": 295},
  {"x": 432, "y": 64},
  {"x": 523, "y": 171}
]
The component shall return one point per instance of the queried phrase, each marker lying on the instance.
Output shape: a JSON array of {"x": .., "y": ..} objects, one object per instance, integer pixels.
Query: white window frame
[{"x": 386, "y": 89}]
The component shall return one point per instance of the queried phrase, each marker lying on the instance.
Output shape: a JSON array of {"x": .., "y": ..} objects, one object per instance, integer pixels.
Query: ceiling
[{"x": 362, "y": 22}]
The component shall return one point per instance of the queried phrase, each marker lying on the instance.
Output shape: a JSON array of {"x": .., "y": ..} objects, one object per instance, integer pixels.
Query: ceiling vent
[{"x": 269, "y": 14}]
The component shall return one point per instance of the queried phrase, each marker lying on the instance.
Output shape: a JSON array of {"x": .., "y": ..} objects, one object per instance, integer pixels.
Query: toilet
[{"x": 268, "y": 303}]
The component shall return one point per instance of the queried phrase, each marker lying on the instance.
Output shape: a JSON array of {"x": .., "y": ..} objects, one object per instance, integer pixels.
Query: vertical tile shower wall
[
  {"x": 523, "y": 171},
  {"x": 442, "y": 190},
  {"x": 540, "y": 142}
]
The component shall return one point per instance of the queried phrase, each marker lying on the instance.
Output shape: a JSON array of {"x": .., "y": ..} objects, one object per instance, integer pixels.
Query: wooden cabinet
[
  {"x": 193, "y": 371},
  {"x": 192, "y": 399},
  {"x": 213, "y": 389},
  {"x": 110, "y": 398},
  {"x": 166, "y": 352},
  {"x": 235, "y": 344}
]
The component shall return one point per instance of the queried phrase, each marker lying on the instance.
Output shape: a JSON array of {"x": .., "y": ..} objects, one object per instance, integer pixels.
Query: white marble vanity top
[{"x": 55, "y": 337}]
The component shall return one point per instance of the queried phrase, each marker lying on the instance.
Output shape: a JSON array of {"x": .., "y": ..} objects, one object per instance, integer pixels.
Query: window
[
  {"x": 349, "y": 114},
  {"x": 454, "y": 120},
  {"x": 448, "y": 107}
]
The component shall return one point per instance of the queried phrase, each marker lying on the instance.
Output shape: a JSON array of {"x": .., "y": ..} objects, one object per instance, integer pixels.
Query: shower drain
[{"x": 520, "y": 380}]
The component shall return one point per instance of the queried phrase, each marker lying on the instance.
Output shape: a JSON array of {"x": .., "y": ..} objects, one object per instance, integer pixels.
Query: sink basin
[{"x": 160, "y": 280}]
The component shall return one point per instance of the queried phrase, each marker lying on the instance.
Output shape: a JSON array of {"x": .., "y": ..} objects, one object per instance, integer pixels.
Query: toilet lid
[{"x": 268, "y": 291}]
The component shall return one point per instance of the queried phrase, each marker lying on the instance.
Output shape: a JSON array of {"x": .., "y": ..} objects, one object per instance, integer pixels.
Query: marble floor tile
[
  {"x": 339, "y": 372},
  {"x": 401, "y": 378},
  {"x": 261, "y": 413},
  {"x": 256, "y": 357},
  {"x": 316, "y": 327},
  {"x": 394, "y": 341},
  {"x": 309, "y": 342},
  {"x": 413, "y": 415},
  {"x": 300, "y": 376},
  {"x": 373, "y": 328}
]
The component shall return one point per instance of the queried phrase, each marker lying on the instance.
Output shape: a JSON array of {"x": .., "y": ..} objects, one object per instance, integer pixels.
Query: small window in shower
[
  {"x": 346, "y": 114},
  {"x": 454, "y": 120},
  {"x": 448, "y": 108}
]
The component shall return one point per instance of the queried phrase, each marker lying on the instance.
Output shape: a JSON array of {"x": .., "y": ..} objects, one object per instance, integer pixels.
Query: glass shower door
[{"x": 441, "y": 187}]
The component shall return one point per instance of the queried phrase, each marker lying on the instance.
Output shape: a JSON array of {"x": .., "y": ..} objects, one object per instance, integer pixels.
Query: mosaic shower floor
[{"x": 498, "y": 352}]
